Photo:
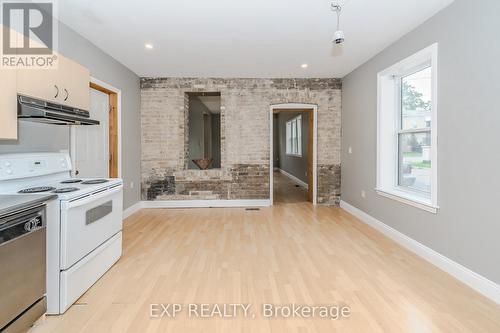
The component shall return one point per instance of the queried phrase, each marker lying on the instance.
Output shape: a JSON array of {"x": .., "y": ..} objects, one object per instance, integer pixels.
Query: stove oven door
[{"x": 88, "y": 222}]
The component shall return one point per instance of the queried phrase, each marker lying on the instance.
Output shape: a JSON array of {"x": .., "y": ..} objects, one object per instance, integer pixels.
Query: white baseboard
[
  {"x": 132, "y": 209},
  {"x": 205, "y": 203},
  {"x": 195, "y": 204},
  {"x": 294, "y": 179},
  {"x": 477, "y": 282}
]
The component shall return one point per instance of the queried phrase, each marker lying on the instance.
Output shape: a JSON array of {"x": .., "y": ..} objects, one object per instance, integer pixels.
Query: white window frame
[
  {"x": 388, "y": 129},
  {"x": 291, "y": 139}
]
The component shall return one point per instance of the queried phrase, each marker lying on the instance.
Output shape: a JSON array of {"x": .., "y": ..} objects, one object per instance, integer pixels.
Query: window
[
  {"x": 294, "y": 136},
  {"x": 407, "y": 131},
  {"x": 414, "y": 134}
]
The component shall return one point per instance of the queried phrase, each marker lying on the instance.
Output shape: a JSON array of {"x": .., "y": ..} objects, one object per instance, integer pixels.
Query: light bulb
[{"x": 338, "y": 37}]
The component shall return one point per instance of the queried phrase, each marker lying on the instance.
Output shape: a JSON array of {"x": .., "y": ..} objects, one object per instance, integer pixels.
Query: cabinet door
[
  {"x": 68, "y": 84},
  {"x": 8, "y": 102},
  {"x": 74, "y": 81},
  {"x": 39, "y": 83}
]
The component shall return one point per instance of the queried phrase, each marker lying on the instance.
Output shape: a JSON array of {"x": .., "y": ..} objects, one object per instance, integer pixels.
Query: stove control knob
[
  {"x": 7, "y": 164},
  {"x": 8, "y": 171}
]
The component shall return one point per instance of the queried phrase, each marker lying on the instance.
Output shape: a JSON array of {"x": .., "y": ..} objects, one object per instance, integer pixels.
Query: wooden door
[{"x": 113, "y": 135}]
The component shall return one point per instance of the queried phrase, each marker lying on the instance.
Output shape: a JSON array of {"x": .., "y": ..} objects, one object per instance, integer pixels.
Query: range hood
[{"x": 37, "y": 110}]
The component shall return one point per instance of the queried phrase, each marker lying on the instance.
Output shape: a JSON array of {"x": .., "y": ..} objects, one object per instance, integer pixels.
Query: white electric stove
[{"x": 84, "y": 225}]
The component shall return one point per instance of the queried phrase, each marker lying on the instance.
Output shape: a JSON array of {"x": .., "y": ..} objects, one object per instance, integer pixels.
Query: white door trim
[
  {"x": 119, "y": 115},
  {"x": 298, "y": 106}
]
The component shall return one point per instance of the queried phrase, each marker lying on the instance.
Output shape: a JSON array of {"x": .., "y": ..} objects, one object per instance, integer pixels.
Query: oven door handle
[{"x": 81, "y": 202}]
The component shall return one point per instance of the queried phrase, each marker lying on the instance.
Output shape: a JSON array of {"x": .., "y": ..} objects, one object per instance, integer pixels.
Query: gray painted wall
[
  {"x": 467, "y": 227},
  {"x": 37, "y": 137},
  {"x": 296, "y": 166},
  {"x": 41, "y": 137}
]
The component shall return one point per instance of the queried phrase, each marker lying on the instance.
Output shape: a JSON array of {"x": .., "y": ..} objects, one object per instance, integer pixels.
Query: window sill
[
  {"x": 199, "y": 175},
  {"x": 293, "y": 155},
  {"x": 408, "y": 199},
  {"x": 203, "y": 170}
]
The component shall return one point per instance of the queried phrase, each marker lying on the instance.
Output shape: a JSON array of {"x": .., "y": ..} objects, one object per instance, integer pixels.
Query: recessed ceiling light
[
  {"x": 304, "y": 65},
  {"x": 149, "y": 46}
]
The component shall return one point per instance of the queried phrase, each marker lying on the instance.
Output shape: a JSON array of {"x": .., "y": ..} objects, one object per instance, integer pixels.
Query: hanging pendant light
[{"x": 338, "y": 37}]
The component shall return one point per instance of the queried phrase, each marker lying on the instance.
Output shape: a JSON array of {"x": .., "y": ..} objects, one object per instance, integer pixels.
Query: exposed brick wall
[
  {"x": 244, "y": 136},
  {"x": 249, "y": 181},
  {"x": 241, "y": 181},
  {"x": 329, "y": 184}
]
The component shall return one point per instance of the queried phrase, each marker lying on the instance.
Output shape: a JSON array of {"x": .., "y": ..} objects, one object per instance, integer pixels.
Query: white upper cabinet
[
  {"x": 68, "y": 84},
  {"x": 74, "y": 80},
  {"x": 39, "y": 83},
  {"x": 8, "y": 104}
]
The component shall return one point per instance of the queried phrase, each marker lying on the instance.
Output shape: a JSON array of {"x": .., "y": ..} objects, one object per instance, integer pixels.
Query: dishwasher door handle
[{"x": 20, "y": 225}]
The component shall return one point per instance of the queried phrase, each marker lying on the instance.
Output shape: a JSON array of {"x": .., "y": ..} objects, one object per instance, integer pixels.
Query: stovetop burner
[
  {"x": 95, "y": 181},
  {"x": 66, "y": 190},
  {"x": 37, "y": 189},
  {"x": 71, "y": 181}
]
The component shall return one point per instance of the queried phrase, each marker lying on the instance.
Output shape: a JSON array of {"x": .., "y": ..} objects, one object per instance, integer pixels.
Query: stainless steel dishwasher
[{"x": 22, "y": 268}]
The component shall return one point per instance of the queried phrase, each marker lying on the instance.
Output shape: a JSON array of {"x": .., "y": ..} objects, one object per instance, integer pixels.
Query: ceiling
[{"x": 236, "y": 38}]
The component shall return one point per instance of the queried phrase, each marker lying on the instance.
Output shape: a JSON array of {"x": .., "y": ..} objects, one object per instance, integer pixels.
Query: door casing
[
  {"x": 114, "y": 131},
  {"x": 312, "y": 163}
]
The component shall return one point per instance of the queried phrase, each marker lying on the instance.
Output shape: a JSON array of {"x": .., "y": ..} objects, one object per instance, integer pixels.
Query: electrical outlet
[
  {"x": 131, "y": 184},
  {"x": 350, "y": 150},
  {"x": 363, "y": 193}
]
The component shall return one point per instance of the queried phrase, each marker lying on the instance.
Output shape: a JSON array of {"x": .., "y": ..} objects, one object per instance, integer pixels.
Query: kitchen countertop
[{"x": 11, "y": 203}]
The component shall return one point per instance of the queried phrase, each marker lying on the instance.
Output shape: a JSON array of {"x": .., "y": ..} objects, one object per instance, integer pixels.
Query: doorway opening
[
  {"x": 293, "y": 153},
  {"x": 95, "y": 149}
]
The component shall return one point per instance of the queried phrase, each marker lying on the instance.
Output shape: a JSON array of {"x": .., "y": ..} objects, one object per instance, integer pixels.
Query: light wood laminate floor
[
  {"x": 290, "y": 253},
  {"x": 286, "y": 191}
]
